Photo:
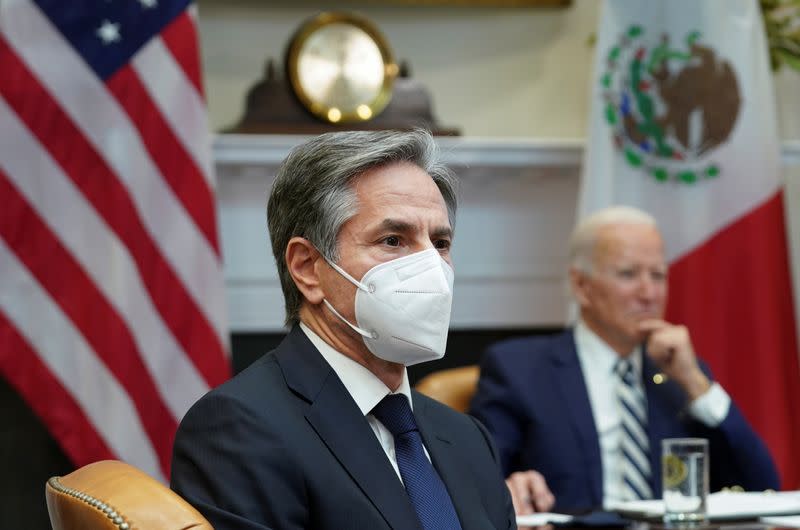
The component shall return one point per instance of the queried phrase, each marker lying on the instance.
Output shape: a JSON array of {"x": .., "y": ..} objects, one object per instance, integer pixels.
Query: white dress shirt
[
  {"x": 597, "y": 361},
  {"x": 365, "y": 389}
]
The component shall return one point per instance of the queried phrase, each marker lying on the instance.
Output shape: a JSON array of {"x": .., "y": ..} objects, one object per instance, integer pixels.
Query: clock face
[{"x": 341, "y": 68}]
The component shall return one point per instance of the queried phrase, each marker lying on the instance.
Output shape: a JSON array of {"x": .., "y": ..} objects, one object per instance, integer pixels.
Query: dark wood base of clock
[
  {"x": 320, "y": 128},
  {"x": 272, "y": 108}
]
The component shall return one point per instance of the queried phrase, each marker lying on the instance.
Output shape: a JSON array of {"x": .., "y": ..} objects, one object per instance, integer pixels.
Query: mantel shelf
[{"x": 243, "y": 150}]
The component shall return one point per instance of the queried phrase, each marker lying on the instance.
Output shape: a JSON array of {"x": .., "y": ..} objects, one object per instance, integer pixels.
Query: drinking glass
[{"x": 684, "y": 463}]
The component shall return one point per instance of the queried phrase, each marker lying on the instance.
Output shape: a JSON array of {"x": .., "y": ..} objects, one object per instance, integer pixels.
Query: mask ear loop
[
  {"x": 358, "y": 330},
  {"x": 348, "y": 277},
  {"x": 358, "y": 284}
]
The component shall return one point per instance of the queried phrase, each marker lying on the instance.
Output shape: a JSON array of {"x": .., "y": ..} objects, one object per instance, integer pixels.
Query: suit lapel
[
  {"x": 339, "y": 423},
  {"x": 571, "y": 389},
  {"x": 445, "y": 455}
]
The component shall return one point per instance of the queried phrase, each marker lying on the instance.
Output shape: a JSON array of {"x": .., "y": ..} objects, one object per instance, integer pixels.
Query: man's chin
[
  {"x": 651, "y": 312},
  {"x": 638, "y": 318},
  {"x": 635, "y": 334}
]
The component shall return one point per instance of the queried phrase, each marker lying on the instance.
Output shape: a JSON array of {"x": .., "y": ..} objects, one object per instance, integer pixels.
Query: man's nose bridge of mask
[
  {"x": 422, "y": 264},
  {"x": 411, "y": 267}
]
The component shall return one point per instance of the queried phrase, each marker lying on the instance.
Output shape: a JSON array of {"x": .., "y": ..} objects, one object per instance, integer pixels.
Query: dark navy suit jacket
[
  {"x": 533, "y": 399},
  {"x": 284, "y": 446}
]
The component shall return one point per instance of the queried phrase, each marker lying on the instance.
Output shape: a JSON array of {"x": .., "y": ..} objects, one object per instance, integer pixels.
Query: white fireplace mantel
[{"x": 518, "y": 200}]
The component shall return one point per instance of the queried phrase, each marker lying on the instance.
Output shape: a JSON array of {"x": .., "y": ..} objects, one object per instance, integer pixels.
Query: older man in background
[{"x": 578, "y": 417}]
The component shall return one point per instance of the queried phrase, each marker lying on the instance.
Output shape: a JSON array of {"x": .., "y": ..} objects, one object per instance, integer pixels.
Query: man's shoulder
[
  {"x": 530, "y": 348},
  {"x": 258, "y": 391},
  {"x": 256, "y": 379},
  {"x": 266, "y": 376}
]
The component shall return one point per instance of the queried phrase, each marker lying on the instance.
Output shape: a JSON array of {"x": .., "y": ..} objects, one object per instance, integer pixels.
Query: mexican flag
[{"x": 683, "y": 126}]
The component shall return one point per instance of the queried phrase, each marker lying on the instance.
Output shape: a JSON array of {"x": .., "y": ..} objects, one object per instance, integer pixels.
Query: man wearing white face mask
[{"x": 324, "y": 432}]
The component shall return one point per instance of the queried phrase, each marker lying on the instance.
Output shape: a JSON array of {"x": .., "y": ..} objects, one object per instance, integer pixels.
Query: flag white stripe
[
  {"x": 51, "y": 333},
  {"x": 177, "y": 100},
  {"x": 64, "y": 209},
  {"x": 105, "y": 124}
]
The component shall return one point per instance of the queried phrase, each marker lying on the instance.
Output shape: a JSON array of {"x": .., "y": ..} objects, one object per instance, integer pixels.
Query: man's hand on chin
[
  {"x": 670, "y": 347},
  {"x": 529, "y": 492}
]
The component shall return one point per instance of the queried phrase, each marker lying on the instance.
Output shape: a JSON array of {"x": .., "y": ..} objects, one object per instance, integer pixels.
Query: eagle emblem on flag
[{"x": 669, "y": 106}]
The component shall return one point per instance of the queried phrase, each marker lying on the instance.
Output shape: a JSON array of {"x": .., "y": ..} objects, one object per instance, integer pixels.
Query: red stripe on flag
[
  {"x": 79, "y": 298},
  {"x": 180, "y": 37},
  {"x": 174, "y": 163},
  {"x": 89, "y": 171},
  {"x": 735, "y": 294},
  {"x": 22, "y": 368}
]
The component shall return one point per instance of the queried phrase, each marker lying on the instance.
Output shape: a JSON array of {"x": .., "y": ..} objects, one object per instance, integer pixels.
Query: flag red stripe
[
  {"x": 712, "y": 292},
  {"x": 173, "y": 161},
  {"x": 180, "y": 37},
  {"x": 63, "y": 416},
  {"x": 78, "y": 297},
  {"x": 89, "y": 171}
]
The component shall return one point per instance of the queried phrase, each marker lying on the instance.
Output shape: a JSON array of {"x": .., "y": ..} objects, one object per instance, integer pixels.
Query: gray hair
[
  {"x": 584, "y": 237},
  {"x": 312, "y": 196}
]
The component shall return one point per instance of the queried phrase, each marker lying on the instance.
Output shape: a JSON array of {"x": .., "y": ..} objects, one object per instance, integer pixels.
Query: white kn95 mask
[{"x": 403, "y": 307}]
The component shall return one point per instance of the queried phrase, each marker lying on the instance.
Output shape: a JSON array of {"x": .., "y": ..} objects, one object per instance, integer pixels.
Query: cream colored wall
[
  {"x": 496, "y": 72},
  {"x": 510, "y": 72},
  {"x": 492, "y": 72}
]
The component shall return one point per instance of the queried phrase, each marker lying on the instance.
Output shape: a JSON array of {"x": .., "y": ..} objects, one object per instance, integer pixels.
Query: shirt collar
[
  {"x": 594, "y": 351},
  {"x": 364, "y": 387}
]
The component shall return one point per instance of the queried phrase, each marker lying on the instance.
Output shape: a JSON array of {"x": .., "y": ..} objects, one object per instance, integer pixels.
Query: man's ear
[
  {"x": 301, "y": 260},
  {"x": 578, "y": 283}
]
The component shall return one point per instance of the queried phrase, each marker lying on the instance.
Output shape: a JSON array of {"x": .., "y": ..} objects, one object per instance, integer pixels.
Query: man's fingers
[
  {"x": 649, "y": 325},
  {"x": 521, "y": 494},
  {"x": 529, "y": 492},
  {"x": 544, "y": 502},
  {"x": 522, "y": 504},
  {"x": 666, "y": 342},
  {"x": 543, "y": 499}
]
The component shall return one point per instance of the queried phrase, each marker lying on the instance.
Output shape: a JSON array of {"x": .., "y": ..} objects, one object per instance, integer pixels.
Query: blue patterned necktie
[
  {"x": 635, "y": 443},
  {"x": 426, "y": 490}
]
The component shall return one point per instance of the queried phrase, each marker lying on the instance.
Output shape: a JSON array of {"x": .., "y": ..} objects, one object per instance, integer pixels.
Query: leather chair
[
  {"x": 112, "y": 495},
  {"x": 453, "y": 387}
]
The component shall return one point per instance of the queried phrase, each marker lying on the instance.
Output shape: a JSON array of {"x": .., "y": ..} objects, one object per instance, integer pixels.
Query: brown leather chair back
[
  {"x": 112, "y": 495},
  {"x": 453, "y": 387}
]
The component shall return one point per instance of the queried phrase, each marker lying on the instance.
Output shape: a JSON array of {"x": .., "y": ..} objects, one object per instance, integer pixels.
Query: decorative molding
[{"x": 244, "y": 150}]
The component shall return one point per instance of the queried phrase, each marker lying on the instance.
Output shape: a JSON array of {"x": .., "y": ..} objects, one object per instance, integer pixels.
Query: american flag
[{"x": 112, "y": 311}]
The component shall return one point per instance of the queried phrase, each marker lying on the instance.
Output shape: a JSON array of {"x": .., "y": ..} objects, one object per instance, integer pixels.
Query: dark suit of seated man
[
  {"x": 579, "y": 417},
  {"x": 324, "y": 432}
]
